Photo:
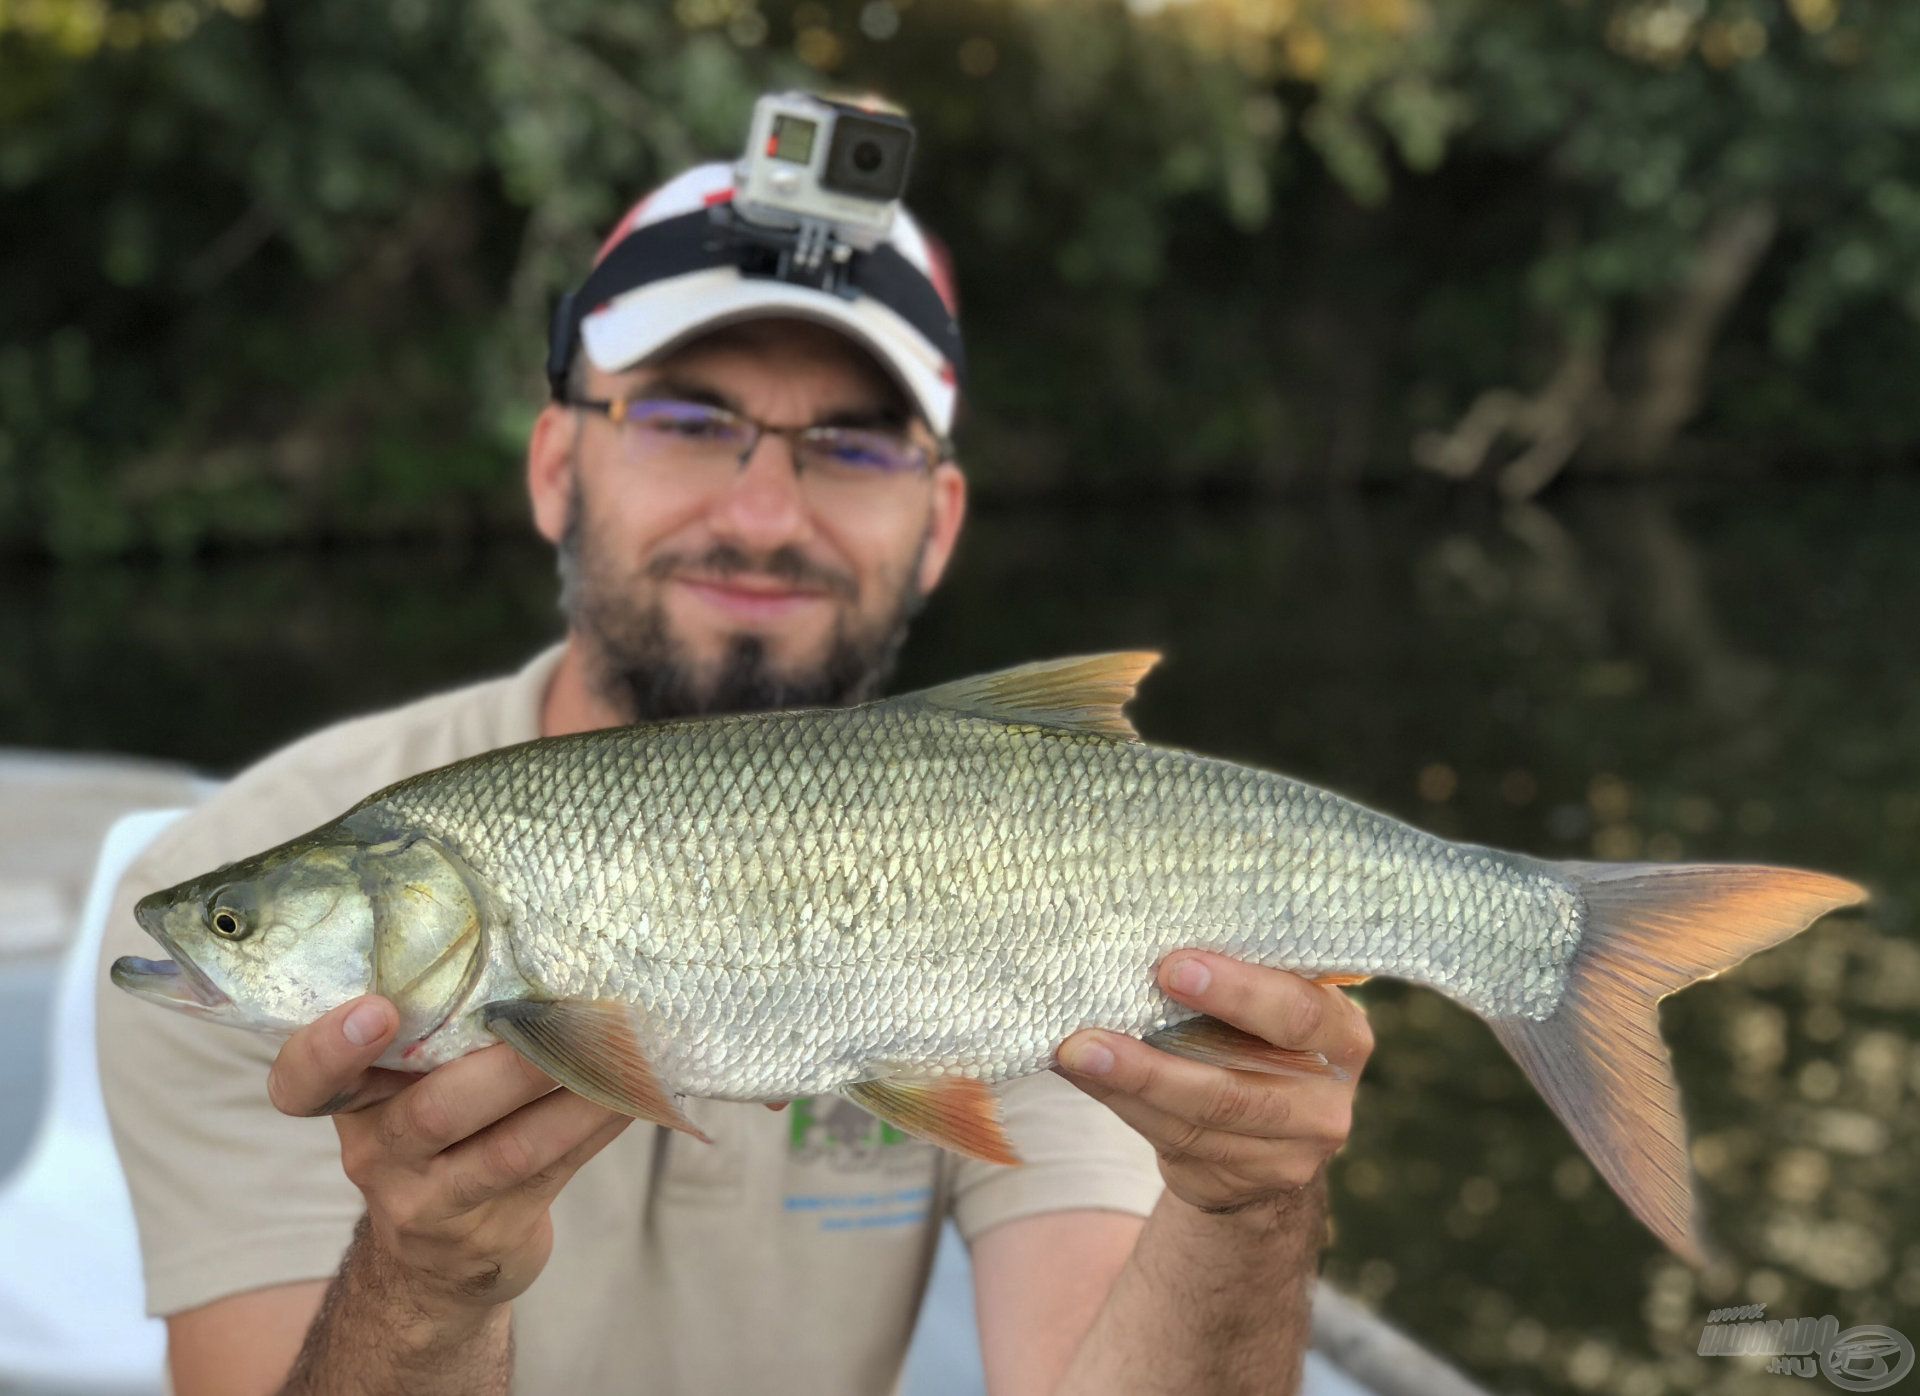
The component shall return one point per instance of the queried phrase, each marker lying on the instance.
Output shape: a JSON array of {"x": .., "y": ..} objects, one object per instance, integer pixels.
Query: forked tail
[{"x": 1598, "y": 1059}]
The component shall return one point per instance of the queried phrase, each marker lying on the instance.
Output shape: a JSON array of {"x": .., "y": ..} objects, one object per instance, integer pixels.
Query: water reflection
[{"x": 1628, "y": 675}]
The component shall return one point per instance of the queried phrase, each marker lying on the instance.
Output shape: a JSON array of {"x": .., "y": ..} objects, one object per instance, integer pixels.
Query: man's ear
[
  {"x": 551, "y": 462},
  {"x": 943, "y": 529}
]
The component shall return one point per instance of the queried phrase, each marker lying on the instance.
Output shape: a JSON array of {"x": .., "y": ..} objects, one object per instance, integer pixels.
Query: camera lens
[{"x": 868, "y": 156}]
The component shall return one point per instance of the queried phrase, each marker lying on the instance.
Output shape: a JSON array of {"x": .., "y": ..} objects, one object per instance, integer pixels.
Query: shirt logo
[
  {"x": 839, "y": 1134},
  {"x": 884, "y": 1176}
]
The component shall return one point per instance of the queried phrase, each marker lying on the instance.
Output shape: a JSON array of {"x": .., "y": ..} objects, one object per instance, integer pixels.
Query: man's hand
[
  {"x": 1229, "y": 1140},
  {"x": 458, "y": 1166}
]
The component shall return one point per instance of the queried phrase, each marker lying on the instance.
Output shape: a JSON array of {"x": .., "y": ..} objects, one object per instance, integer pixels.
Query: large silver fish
[{"x": 908, "y": 900}]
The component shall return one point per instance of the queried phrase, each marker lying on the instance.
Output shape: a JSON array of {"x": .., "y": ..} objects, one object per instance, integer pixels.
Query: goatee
[{"x": 638, "y": 667}]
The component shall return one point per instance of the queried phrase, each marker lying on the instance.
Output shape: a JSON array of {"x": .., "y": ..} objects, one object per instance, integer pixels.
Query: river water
[{"x": 1727, "y": 674}]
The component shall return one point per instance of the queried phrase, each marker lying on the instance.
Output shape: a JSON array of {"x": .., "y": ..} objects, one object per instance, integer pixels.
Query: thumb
[{"x": 322, "y": 1068}]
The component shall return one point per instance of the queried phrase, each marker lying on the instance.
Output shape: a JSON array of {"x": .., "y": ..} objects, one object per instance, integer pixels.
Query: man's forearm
[
  {"x": 374, "y": 1336},
  {"x": 1209, "y": 1303}
]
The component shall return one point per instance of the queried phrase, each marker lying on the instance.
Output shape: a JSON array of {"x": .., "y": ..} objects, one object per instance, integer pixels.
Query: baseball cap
[{"x": 663, "y": 276}]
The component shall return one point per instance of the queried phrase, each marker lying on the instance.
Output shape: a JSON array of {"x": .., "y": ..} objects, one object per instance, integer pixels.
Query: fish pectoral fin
[
  {"x": 955, "y": 1112},
  {"x": 1216, "y": 1043},
  {"x": 590, "y": 1047},
  {"x": 1338, "y": 981},
  {"x": 1084, "y": 694}
]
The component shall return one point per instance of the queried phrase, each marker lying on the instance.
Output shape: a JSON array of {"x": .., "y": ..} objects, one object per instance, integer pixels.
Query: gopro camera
[
  {"x": 829, "y": 172},
  {"x": 814, "y": 199}
]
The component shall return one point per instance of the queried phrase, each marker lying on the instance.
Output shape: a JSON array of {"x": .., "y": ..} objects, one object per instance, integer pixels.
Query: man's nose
[{"x": 763, "y": 505}]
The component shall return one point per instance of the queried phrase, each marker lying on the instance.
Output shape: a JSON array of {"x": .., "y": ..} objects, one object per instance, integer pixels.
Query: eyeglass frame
[{"x": 615, "y": 409}]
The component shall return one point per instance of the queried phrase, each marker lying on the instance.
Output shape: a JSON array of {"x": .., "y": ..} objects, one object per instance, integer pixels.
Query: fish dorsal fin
[{"x": 1083, "y": 694}]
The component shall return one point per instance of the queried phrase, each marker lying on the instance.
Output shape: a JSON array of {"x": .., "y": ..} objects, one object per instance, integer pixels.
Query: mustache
[{"x": 787, "y": 564}]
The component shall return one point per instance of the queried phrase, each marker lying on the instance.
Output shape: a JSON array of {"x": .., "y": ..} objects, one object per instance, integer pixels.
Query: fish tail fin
[{"x": 1598, "y": 1058}]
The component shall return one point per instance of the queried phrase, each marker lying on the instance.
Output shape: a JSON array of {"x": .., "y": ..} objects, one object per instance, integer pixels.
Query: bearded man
[{"x": 751, "y": 491}]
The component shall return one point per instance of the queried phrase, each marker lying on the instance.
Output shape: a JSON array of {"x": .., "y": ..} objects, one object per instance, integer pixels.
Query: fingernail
[
  {"x": 1089, "y": 1059},
  {"x": 365, "y": 1024},
  {"x": 1190, "y": 977}
]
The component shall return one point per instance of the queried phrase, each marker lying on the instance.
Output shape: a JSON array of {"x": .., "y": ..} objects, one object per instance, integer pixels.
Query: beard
[{"x": 643, "y": 671}]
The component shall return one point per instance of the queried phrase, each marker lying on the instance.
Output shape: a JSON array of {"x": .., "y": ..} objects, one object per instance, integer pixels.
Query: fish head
[
  {"x": 278, "y": 940},
  {"x": 270, "y": 943}
]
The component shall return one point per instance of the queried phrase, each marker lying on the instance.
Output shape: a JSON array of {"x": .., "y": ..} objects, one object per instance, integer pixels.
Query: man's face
[{"x": 751, "y": 588}]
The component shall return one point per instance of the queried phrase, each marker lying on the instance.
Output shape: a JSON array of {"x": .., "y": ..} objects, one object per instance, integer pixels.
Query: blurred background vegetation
[
  {"x": 281, "y": 270},
  {"x": 272, "y": 318}
]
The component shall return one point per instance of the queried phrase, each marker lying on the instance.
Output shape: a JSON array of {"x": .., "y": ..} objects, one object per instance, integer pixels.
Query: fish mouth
[
  {"x": 179, "y": 982},
  {"x": 176, "y": 983}
]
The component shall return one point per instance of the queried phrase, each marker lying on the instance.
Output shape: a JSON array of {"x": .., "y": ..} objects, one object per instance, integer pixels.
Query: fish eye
[{"x": 228, "y": 922}]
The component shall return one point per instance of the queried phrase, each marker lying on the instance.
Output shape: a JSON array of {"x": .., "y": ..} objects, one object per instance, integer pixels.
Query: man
[{"x": 750, "y": 491}]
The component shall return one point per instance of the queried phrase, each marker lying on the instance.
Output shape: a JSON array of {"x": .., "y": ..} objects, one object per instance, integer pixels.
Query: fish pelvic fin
[
  {"x": 589, "y": 1046},
  {"x": 1598, "y": 1058},
  {"x": 1085, "y": 694},
  {"x": 1215, "y": 1043},
  {"x": 955, "y": 1112}
]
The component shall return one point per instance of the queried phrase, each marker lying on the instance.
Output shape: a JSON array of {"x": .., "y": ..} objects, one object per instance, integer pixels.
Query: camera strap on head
[{"x": 717, "y": 237}]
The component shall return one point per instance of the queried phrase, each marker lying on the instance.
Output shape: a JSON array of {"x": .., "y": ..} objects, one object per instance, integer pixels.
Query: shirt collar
[{"x": 527, "y": 695}]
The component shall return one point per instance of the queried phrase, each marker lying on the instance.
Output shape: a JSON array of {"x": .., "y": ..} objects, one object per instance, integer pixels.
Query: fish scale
[
  {"x": 911, "y": 899},
  {"x": 936, "y": 846}
]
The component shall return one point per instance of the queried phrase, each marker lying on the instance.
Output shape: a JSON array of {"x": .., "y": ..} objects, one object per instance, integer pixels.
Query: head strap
[{"x": 716, "y": 237}]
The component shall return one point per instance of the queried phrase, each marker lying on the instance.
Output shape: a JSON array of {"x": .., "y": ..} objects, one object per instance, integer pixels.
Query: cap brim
[{"x": 654, "y": 318}]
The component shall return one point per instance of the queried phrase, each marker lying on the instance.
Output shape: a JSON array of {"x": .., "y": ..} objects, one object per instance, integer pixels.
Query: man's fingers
[
  {"x": 1209, "y": 1097},
  {"x": 614, "y": 1127},
  {"x": 538, "y": 1147},
  {"x": 456, "y": 1101},
  {"x": 375, "y": 1087},
  {"x": 1262, "y": 1163},
  {"x": 1273, "y": 1005},
  {"x": 320, "y": 1069}
]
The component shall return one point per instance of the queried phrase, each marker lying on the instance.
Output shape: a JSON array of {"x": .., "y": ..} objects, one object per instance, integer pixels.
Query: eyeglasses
[{"x": 697, "y": 439}]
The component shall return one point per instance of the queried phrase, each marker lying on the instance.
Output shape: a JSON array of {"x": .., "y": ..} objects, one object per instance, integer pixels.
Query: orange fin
[
  {"x": 955, "y": 1112},
  {"x": 1651, "y": 928},
  {"x": 590, "y": 1047},
  {"x": 1081, "y": 695},
  {"x": 1216, "y": 1043},
  {"x": 1338, "y": 981}
]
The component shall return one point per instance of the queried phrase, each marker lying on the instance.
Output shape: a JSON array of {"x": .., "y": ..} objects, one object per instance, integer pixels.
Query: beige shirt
[{"x": 790, "y": 1255}]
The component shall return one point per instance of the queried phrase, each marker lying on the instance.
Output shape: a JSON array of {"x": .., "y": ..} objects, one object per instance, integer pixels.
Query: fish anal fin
[
  {"x": 1216, "y": 1043},
  {"x": 1084, "y": 694},
  {"x": 955, "y": 1112},
  {"x": 1338, "y": 981},
  {"x": 589, "y": 1046},
  {"x": 1598, "y": 1058}
]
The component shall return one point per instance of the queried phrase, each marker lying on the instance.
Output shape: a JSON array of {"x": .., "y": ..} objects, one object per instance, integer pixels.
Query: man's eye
[
  {"x": 865, "y": 451},
  {"x": 691, "y": 425}
]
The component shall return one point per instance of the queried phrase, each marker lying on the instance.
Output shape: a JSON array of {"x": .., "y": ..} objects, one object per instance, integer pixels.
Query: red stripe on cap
[
  {"x": 940, "y": 273},
  {"x": 947, "y": 375},
  {"x": 628, "y": 222},
  {"x": 718, "y": 196}
]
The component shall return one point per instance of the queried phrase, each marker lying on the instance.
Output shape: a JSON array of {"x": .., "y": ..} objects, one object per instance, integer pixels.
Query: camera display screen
[
  {"x": 869, "y": 156},
  {"x": 792, "y": 139}
]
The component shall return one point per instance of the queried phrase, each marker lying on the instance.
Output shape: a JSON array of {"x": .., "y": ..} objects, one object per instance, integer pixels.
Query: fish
[{"x": 914, "y": 899}]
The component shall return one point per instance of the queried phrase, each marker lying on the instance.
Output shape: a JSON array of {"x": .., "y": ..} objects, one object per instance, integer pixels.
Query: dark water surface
[{"x": 1720, "y": 676}]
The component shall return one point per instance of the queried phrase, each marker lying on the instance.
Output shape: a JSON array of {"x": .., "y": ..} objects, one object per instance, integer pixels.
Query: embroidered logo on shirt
[{"x": 837, "y": 1135}]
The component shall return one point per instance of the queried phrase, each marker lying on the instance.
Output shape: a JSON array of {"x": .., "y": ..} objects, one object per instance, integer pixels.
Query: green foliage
[{"x": 283, "y": 270}]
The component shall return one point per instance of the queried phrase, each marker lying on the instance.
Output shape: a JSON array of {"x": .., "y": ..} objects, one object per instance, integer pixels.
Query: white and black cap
[{"x": 673, "y": 268}]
